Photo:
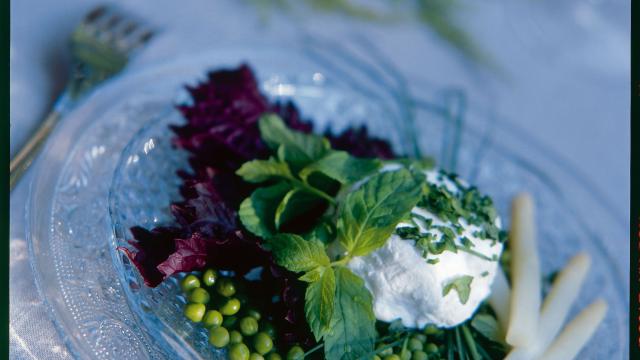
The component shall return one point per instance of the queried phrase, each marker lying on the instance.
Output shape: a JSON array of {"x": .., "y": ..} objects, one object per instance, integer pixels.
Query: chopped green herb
[
  {"x": 462, "y": 285},
  {"x": 408, "y": 232},
  {"x": 426, "y": 222},
  {"x": 475, "y": 253},
  {"x": 466, "y": 242}
]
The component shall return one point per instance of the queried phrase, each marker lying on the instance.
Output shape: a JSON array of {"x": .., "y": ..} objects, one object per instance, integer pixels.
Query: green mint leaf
[
  {"x": 352, "y": 332},
  {"x": 421, "y": 164},
  {"x": 297, "y": 254},
  {"x": 312, "y": 275},
  {"x": 324, "y": 231},
  {"x": 462, "y": 285},
  {"x": 297, "y": 202},
  {"x": 257, "y": 212},
  {"x": 319, "y": 303},
  {"x": 256, "y": 171},
  {"x": 342, "y": 167},
  {"x": 370, "y": 214},
  {"x": 296, "y": 148}
]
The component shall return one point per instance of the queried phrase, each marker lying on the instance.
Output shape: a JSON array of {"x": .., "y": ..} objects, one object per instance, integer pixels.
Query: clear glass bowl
[{"x": 123, "y": 161}]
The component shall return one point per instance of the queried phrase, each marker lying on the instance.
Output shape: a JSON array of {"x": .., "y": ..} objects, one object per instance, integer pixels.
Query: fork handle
[{"x": 21, "y": 162}]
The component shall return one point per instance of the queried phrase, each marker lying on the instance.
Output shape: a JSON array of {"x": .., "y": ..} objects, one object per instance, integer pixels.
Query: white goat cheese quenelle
[{"x": 435, "y": 269}]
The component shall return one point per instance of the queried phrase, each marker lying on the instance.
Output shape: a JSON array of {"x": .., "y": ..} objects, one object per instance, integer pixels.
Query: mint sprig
[
  {"x": 308, "y": 174},
  {"x": 303, "y": 175}
]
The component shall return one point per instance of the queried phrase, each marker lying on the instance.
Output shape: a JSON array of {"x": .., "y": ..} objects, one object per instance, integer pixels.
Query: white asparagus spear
[
  {"x": 576, "y": 334},
  {"x": 525, "y": 270},
  {"x": 556, "y": 306},
  {"x": 499, "y": 299},
  {"x": 563, "y": 294}
]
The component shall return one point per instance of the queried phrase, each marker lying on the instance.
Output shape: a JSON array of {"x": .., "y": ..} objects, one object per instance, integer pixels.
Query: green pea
[
  {"x": 219, "y": 337},
  {"x": 262, "y": 343},
  {"x": 189, "y": 282},
  {"x": 419, "y": 337},
  {"x": 239, "y": 352},
  {"x": 431, "y": 330},
  {"x": 419, "y": 355},
  {"x": 274, "y": 356},
  {"x": 209, "y": 277},
  {"x": 212, "y": 318},
  {"x": 405, "y": 355},
  {"x": 229, "y": 321},
  {"x": 431, "y": 348},
  {"x": 295, "y": 353},
  {"x": 415, "y": 344},
  {"x": 226, "y": 288},
  {"x": 199, "y": 296},
  {"x": 256, "y": 356},
  {"x": 384, "y": 352},
  {"x": 268, "y": 328},
  {"x": 194, "y": 312},
  {"x": 392, "y": 357},
  {"x": 248, "y": 326},
  {"x": 376, "y": 357},
  {"x": 231, "y": 307},
  {"x": 235, "y": 337},
  {"x": 254, "y": 314}
]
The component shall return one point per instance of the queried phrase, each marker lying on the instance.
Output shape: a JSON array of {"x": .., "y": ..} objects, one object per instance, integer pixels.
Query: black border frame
[
  {"x": 634, "y": 311},
  {"x": 4, "y": 195}
]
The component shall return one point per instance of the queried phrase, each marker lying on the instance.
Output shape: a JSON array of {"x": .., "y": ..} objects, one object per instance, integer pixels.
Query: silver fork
[{"x": 101, "y": 46}]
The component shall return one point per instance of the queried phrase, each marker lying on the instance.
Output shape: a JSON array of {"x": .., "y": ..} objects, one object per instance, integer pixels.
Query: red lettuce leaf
[
  {"x": 358, "y": 142},
  {"x": 152, "y": 248},
  {"x": 189, "y": 253}
]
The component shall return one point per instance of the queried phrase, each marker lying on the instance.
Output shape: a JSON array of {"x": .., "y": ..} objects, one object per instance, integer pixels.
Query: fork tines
[{"x": 108, "y": 25}]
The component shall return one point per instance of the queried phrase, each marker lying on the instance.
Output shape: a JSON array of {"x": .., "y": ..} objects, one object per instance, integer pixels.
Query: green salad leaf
[
  {"x": 257, "y": 211},
  {"x": 297, "y": 254},
  {"x": 324, "y": 231},
  {"x": 256, "y": 171},
  {"x": 294, "y": 147},
  {"x": 370, "y": 214},
  {"x": 319, "y": 302},
  {"x": 296, "y": 201},
  {"x": 352, "y": 332},
  {"x": 342, "y": 167}
]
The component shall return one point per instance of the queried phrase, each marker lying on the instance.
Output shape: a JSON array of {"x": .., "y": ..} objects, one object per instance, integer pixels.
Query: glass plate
[{"x": 97, "y": 300}]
